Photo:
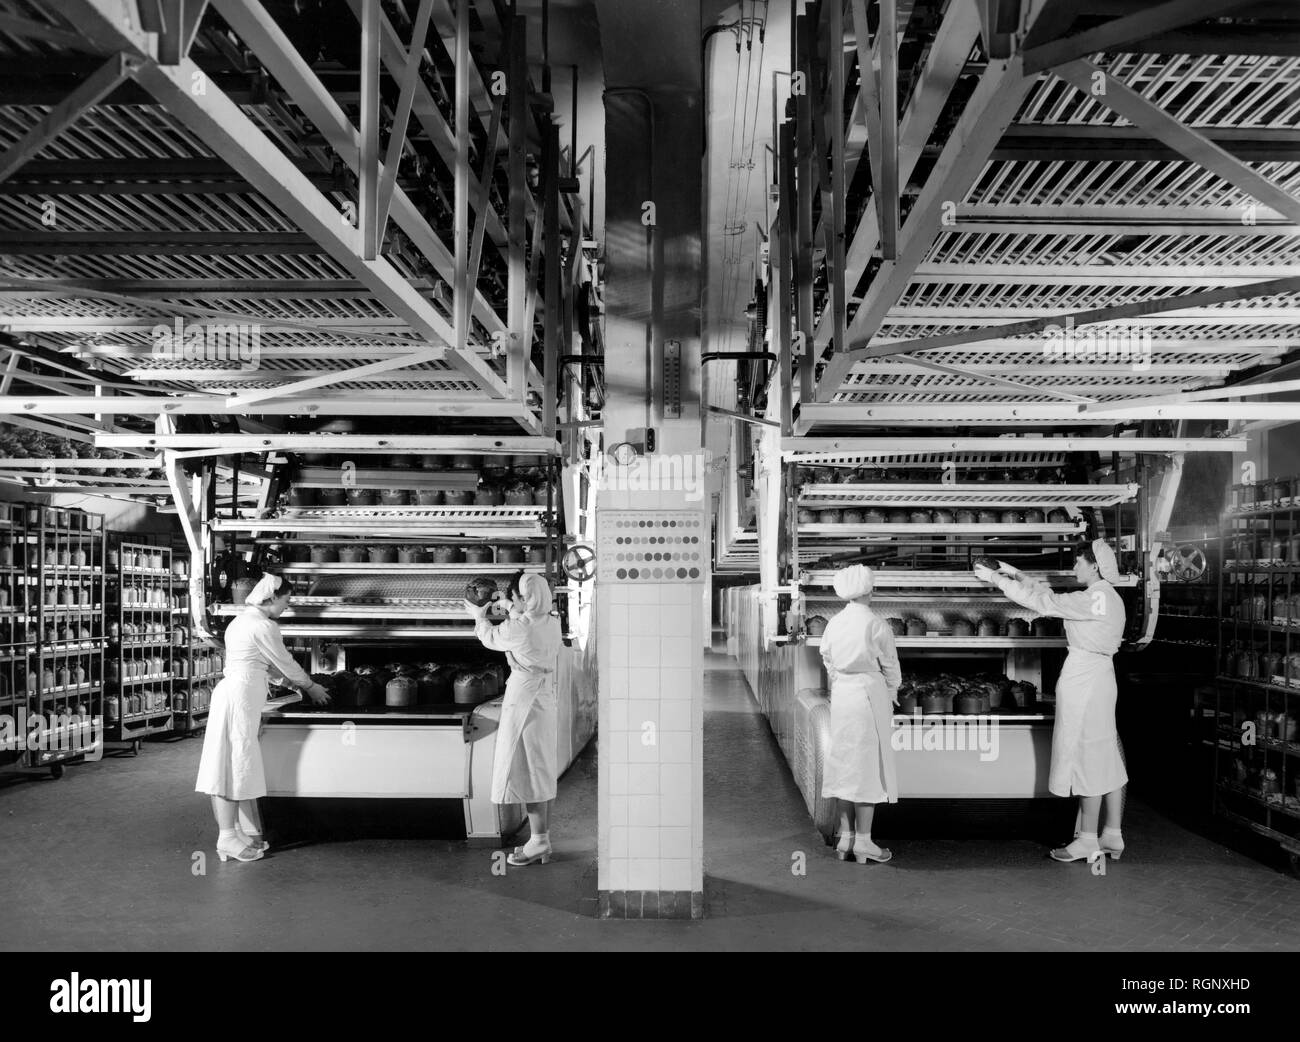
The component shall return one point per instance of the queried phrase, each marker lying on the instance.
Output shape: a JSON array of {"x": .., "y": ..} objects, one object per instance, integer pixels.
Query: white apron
[
  {"x": 523, "y": 766},
  {"x": 859, "y": 764},
  {"x": 231, "y": 764},
  {"x": 1086, "y": 758}
]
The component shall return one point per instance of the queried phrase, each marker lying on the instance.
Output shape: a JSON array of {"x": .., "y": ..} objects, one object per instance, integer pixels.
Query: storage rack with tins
[
  {"x": 141, "y": 636},
  {"x": 65, "y": 571},
  {"x": 1257, "y": 706},
  {"x": 14, "y": 642},
  {"x": 970, "y": 657},
  {"x": 380, "y": 551},
  {"x": 197, "y": 665}
]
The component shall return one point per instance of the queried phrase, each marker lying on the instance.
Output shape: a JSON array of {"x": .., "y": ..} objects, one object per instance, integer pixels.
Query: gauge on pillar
[{"x": 624, "y": 453}]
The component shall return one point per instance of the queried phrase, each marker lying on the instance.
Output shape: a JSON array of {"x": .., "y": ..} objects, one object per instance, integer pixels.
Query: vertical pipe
[
  {"x": 888, "y": 213},
  {"x": 835, "y": 260},
  {"x": 803, "y": 222},
  {"x": 462, "y": 292},
  {"x": 368, "y": 204},
  {"x": 516, "y": 220},
  {"x": 781, "y": 252},
  {"x": 573, "y": 126},
  {"x": 551, "y": 244}
]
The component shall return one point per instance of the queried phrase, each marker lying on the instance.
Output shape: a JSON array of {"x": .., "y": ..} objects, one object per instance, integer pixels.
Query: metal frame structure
[
  {"x": 212, "y": 173},
  {"x": 1102, "y": 176}
]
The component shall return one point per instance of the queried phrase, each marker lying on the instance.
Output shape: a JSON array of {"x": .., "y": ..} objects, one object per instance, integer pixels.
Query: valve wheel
[
  {"x": 579, "y": 563},
  {"x": 1188, "y": 563}
]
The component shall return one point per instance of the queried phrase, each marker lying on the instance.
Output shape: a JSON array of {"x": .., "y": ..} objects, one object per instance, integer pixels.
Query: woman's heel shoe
[
  {"x": 256, "y": 841},
  {"x": 862, "y": 855},
  {"x": 243, "y": 853},
  {"x": 844, "y": 850},
  {"x": 1112, "y": 851},
  {"x": 1076, "y": 851},
  {"x": 518, "y": 858}
]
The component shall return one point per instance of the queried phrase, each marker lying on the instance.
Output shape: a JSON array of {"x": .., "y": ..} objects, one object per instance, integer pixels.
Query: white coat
[
  {"x": 231, "y": 763},
  {"x": 861, "y": 662},
  {"x": 1086, "y": 757},
  {"x": 524, "y": 764}
]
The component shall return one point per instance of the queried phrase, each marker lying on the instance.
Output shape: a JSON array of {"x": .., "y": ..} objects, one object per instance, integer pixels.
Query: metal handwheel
[{"x": 579, "y": 563}]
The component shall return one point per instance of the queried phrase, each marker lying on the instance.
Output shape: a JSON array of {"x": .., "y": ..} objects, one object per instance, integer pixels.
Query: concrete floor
[{"x": 103, "y": 861}]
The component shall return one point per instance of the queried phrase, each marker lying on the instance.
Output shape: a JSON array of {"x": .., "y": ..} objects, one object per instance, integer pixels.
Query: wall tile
[
  {"x": 642, "y": 811},
  {"x": 677, "y": 808},
  {"x": 617, "y": 647},
  {"x": 641, "y": 843},
  {"x": 677, "y": 682},
  {"x": 674, "y": 649},
  {"x": 675, "y": 779},
  {"x": 618, "y": 842},
  {"x": 642, "y": 875},
  {"x": 618, "y": 619},
  {"x": 614, "y": 746},
  {"x": 618, "y": 679},
  {"x": 618, "y": 811},
  {"x": 675, "y": 843},
  {"x": 675, "y": 747},
  {"x": 642, "y": 593},
  {"x": 618, "y": 714},
  {"x": 639, "y": 752},
  {"x": 618, "y": 779},
  {"x": 640, "y": 711},
  {"x": 674, "y": 621},
  {"x": 675, "y": 715},
  {"x": 680, "y": 593},
  {"x": 674, "y": 874},
  {"x": 643, "y": 682},
  {"x": 644, "y": 651},
  {"x": 616, "y": 878},
  {"x": 643, "y": 779}
]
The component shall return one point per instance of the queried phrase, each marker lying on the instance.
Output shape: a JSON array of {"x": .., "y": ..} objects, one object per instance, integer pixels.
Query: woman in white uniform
[
  {"x": 230, "y": 768},
  {"x": 1086, "y": 758},
  {"x": 523, "y": 770},
  {"x": 862, "y": 667}
]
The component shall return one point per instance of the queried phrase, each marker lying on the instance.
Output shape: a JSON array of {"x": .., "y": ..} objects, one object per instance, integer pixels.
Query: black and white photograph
[{"x": 548, "y": 476}]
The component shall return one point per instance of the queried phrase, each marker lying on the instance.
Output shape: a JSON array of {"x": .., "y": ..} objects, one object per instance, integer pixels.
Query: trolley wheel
[
  {"x": 135, "y": 747},
  {"x": 56, "y": 772}
]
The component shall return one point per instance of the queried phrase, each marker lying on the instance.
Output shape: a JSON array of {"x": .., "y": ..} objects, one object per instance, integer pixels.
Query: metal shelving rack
[
  {"x": 196, "y": 666},
  {"x": 14, "y": 643},
  {"x": 404, "y": 570},
  {"x": 139, "y": 672},
  {"x": 1257, "y": 701},
  {"x": 923, "y": 567},
  {"x": 64, "y": 552}
]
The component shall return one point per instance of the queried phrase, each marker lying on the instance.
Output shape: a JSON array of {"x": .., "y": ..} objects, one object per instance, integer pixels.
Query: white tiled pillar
[{"x": 651, "y": 668}]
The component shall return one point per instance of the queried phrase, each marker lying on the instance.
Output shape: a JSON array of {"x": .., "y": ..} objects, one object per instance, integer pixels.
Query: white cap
[
  {"x": 264, "y": 591},
  {"x": 1106, "y": 561},
  {"x": 853, "y": 582}
]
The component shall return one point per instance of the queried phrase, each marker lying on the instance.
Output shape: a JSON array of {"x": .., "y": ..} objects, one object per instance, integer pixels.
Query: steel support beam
[
  {"x": 1118, "y": 313},
  {"x": 100, "y": 83},
  {"x": 893, "y": 445},
  {"x": 433, "y": 444},
  {"x": 1192, "y": 144},
  {"x": 368, "y": 172},
  {"x": 991, "y": 108},
  {"x": 951, "y": 414},
  {"x": 517, "y": 360},
  {"x": 410, "y": 79},
  {"x": 274, "y": 50},
  {"x": 888, "y": 206},
  {"x": 203, "y": 405},
  {"x": 1114, "y": 34}
]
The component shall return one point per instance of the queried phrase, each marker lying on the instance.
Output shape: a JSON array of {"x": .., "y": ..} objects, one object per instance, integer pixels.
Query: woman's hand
[
  {"x": 983, "y": 574},
  {"x": 476, "y": 611},
  {"x": 318, "y": 695},
  {"x": 1008, "y": 569}
]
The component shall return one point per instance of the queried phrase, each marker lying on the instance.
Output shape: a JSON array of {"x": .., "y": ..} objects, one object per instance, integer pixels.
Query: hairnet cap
[
  {"x": 264, "y": 591},
  {"x": 535, "y": 594},
  {"x": 1106, "y": 561},
  {"x": 855, "y": 581}
]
